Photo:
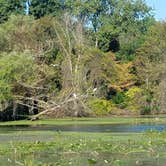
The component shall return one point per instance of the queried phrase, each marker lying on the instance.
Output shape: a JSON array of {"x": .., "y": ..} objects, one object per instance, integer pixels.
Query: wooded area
[{"x": 81, "y": 58}]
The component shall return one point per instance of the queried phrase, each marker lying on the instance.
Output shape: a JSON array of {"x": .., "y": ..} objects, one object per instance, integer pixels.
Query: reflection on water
[{"x": 87, "y": 128}]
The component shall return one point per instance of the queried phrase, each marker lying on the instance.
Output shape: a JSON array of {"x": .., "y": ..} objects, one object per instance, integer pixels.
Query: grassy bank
[{"x": 106, "y": 120}]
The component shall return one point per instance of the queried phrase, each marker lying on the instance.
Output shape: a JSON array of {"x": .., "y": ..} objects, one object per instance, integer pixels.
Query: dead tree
[{"x": 71, "y": 98}]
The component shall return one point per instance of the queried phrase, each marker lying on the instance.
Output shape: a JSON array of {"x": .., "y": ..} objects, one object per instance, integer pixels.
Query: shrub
[
  {"x": 134, "y": 98},
  {"x": 101, "y": 106},
  {"x": 132, "y": 92},
  {"x": 146, "y": 110},
  {"x": 120, "y": 100}
]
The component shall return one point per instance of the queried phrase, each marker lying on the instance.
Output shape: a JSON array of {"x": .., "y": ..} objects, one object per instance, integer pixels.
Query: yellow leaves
[
  {"x": 124, "y": 78},
  {"x": 133, "y": 91},
  {"x": 124, "y": 72},
  {"x": 101, "y": 106}
]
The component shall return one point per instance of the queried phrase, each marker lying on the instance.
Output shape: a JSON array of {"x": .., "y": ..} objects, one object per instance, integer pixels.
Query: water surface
[{"x": 142, "y": 127}]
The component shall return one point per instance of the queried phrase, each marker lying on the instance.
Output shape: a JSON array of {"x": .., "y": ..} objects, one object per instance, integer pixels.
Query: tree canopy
[
  {"x": 72, "y": 56},
  {"x": 8, "y": 7}
]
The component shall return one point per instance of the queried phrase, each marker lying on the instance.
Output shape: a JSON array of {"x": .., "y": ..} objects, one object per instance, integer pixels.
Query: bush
[
  {"x": 132, "y": 92},
  {"x": 120, "y": 100},
  {"x": 101, "y": 106},
  {"x": 134, "y": 98},
  {"x": 146, "y": 110}
]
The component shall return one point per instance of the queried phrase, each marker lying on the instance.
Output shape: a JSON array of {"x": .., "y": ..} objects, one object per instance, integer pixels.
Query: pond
[
  {"x": 142, "y": 127},
  {"x": 142, "y": 144}
]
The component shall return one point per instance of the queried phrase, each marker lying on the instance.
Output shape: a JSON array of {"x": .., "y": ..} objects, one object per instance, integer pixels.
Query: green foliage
[
  {"x": 132, "y": 92},
  {"x": 100, "y": 106},
  {"x": 126, "y": 24},
  {"x": 134, "y": 99},
  {"x": 16, "y": 33},
  {"x": 5, "y": 91},
  {"x": 154, "y": 47},
  {"x": 48, "y": 55},
  {"x": 130, "y": 100},
  {"x": 15, "y": 68},
  {"x": 146, "y": 110},
  {"x": 151, "y": 66},
  {"x": 114, "y": 25},
  {"x": 40, "y": 8},
  {"x": 110, "y": 30},
  {"x": 8, "y": 7},
  {"x": 148, "y": 96},
  {"x": 24, "y": 33},
  {"x": 120, "y": 100},
  {"x": 151, "y": 63}
]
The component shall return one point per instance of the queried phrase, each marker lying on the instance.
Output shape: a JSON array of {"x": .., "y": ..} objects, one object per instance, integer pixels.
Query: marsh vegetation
[{"x": 31, "y": 144}]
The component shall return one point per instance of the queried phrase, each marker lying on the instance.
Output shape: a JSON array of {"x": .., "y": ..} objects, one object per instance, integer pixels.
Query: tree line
[{"x": 80, "y": 58}]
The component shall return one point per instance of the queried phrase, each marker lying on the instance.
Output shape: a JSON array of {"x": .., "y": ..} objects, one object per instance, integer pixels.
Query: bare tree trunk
[
  {"x": 31, "y": 108},
  {"x": 67, "y": 75},
  {"x": 163, "y": 96},
  {"x": 14, "y": 110},
  {"x": 96, "y": 43}
]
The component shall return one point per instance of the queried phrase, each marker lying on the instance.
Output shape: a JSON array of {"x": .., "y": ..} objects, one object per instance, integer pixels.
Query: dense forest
[{"x": 81, "y": 58}]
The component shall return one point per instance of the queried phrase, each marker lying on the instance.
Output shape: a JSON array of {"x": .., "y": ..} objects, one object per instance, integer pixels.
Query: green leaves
[
  {"x": 15, "y": 68},
  {"x": 101, "y": 107},
  {"x": 40, "y": 8},
  {"x": 8, "y": 7}
]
